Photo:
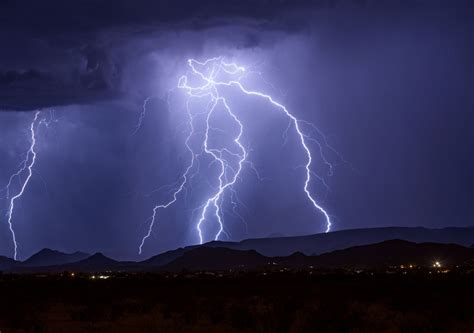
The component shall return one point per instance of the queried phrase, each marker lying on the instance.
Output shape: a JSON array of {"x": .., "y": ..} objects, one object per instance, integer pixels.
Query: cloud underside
[
  {"x": 60, "y": 53},
  {"x": 57, "y": 52}
]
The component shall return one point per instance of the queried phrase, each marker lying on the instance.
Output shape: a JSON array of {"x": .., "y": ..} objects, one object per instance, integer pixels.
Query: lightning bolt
[
  {"x": 144, "y": 109},
  {"x": 182, "y": 182},
  {"x": 224, "y": 182},
  {"x": 209, "y": 74},
  {"x": 26, "y": 166},
  {"x": 138, "y": 126}
]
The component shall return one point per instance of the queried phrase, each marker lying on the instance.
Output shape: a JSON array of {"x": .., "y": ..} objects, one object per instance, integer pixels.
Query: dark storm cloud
[
  {"x": 89, "y": 15},
  {"x": 60, "y": 53},
  {"x": 31, "y": 88}
]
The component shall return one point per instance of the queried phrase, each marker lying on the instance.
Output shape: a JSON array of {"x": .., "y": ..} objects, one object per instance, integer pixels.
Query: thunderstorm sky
[{"x": 389, "y": 83}]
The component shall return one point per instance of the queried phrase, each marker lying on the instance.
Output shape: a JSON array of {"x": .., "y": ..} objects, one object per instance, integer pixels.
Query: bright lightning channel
[
  {"x": 26, "y": 166},
  {"x": 208, "y": 72},
  {"x": 179, "y": 189}
]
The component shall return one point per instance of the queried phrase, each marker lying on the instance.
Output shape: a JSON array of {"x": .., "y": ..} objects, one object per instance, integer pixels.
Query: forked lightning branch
[{"x": 212, "y": 76}]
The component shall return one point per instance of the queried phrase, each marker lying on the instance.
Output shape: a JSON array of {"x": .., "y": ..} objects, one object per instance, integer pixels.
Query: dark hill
[
  {"x": 97, "y": 262},
  {"x": 48, "y": 257},
  {"x": 337, "y": 240},
  {"x": 165, "y": 258},
  {"x": 384, "y": 254},
  {"x": 6, "y": 263},
  {"x": 206, "y": 258},
  {"x": 396, "y": 252}
]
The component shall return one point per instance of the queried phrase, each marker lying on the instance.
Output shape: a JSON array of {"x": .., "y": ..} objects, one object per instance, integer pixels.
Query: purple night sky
[{"x": 388, "y": 82}]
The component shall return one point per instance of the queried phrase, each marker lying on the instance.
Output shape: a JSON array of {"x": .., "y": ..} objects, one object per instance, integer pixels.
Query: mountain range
[
  {"x": 361, "y": 248},
  {"x": 337, "y": 240},
  {"x": 48, "y": 257}
]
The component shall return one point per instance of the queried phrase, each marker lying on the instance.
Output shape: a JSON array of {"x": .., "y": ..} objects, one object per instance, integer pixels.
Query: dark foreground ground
[{"x": 275, "y": 302}]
